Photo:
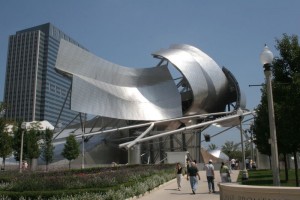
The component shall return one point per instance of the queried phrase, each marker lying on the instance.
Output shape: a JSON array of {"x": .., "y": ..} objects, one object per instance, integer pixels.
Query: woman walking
[
  {"x": 178, "y": 175},
  {"x": 224, "y": 172}
]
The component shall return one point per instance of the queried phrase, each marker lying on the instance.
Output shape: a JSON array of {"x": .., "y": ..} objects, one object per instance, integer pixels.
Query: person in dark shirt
[
  {"x": 188, "y": 164},
  {"x": 192, "y": 174}
]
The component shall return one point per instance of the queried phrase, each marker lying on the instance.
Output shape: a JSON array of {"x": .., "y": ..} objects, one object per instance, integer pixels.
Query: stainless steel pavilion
[{"x": 150, "y": 97}]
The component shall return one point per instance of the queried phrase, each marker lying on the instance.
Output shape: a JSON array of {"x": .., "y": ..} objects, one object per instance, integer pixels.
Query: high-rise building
[{"x": 34, "y": 90}]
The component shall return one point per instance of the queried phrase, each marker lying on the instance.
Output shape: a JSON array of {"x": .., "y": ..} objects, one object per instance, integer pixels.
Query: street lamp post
[
  {"x": 251, "y": 143},
  {"x": 83, "y": 138},
  {"x": 252, "y": 149},
  {"x": 266, "y": 58},
  {"x": 243, "y": 167}
]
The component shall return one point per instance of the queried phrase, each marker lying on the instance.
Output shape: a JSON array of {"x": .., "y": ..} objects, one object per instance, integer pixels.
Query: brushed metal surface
[
  {"x": 103, "y": 88},
  {"x": 205, "y": 77}
]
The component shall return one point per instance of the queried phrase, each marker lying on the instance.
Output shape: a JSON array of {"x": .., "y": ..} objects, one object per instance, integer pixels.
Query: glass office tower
[{"x": 34, "y": 90}]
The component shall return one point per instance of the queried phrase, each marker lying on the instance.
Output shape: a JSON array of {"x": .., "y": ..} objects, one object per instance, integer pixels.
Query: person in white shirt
[
  {"x": 210, "y": 174},
  {"x": 232, "y": 163},
  {"x": 25, "y": 164}
]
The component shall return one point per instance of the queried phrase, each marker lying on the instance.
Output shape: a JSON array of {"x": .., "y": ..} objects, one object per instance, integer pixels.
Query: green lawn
[{"x": 265, "y": 178}]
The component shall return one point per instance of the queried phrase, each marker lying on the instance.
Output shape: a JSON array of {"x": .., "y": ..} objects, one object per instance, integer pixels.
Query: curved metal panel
[
  {"x": 103, "y": 88},
  {"x": 107, "y": 89},
  {"x": 206, "y": 79},
  {"x": 234, "y": 93},
  {"x": 243, "y": 101}
]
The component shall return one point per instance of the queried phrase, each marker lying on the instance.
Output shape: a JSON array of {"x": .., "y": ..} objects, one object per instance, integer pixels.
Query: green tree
[
  {"x": 17, "y": 141},
  {"x": 286, "y": 95},
  {"x": 232, "y": 150},
  {"x": 260, "y": 127},
  {"x": 71, "y": 149},
  {"x": 32, "y": 149},
  {"x": 31, "y": 146},
  {"x": 3, "y": 107},
  {"x": 6, "y": 142},
  {"x": 212, "y": 147},
  {"x": 47, "y": 147}
]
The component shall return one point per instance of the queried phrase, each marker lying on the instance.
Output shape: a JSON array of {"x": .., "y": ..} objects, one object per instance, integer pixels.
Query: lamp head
[{"x": 266, "y": 56}]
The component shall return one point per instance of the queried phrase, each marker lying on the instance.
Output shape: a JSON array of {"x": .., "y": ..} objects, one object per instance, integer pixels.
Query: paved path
[{"x": 169, "y": 190}]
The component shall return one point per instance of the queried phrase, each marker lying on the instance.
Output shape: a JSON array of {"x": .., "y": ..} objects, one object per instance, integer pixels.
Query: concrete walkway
[{"x": 169, "y": 191}]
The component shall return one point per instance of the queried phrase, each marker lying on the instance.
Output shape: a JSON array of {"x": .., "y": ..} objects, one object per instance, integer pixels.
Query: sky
[{"x": 126, "y": 32}]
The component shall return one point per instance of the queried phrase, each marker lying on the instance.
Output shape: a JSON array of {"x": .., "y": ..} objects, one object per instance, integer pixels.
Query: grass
[{"x": 265, "y": 178}]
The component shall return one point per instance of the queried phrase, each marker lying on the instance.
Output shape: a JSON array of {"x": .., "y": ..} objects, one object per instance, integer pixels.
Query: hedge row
[{"x": 150, "y": 175}]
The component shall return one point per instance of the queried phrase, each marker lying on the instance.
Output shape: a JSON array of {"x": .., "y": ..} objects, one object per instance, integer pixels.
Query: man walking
[
  {"x": 192, "y": 172},
  {"x": 210, "y": 174}
]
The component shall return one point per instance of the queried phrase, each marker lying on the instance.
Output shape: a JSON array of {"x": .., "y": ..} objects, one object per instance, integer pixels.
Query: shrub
[{"x": 105, "y": 183}]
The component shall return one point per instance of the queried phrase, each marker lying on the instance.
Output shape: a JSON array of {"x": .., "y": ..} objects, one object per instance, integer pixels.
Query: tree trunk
[
  {"x": 33, "y": 164},
  {"x": 286, "y": 168},
  {"x": 296, "y": 168},
  {"x": 47, "y": 167},
  {"x": 3, "y": 162}
]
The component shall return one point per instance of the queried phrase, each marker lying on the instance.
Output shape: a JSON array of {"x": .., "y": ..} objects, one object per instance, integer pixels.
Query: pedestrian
[
  {"x": 247, "y": 161},
  {"x": 188, "y": 164},
  {"x": 178, "y": 175},
  {"x": 192, "y": 174},
  {"x": 254, "y": 165},
  {"x": 232, "y": 163},
  {"x": 237, "y": 164},
  {"x": 25, "y": 165},
  {"x": 210, "y": 174},
  {"x": 224, "y": 173}
]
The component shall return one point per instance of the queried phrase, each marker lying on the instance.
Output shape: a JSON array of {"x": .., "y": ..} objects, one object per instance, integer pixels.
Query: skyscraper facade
[{"x": 34, "y": 90}]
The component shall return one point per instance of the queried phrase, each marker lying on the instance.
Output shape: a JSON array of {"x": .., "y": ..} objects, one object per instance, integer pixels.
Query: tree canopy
[
  {"x": 71, "y": 149},
  {"x": 212, "y": 147},
  {"x": 6, "y": 140},
  {"x": 47, "y": 147},
  {"x": 286, "y": 95},
  {"x": 232, "y": 150}
]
